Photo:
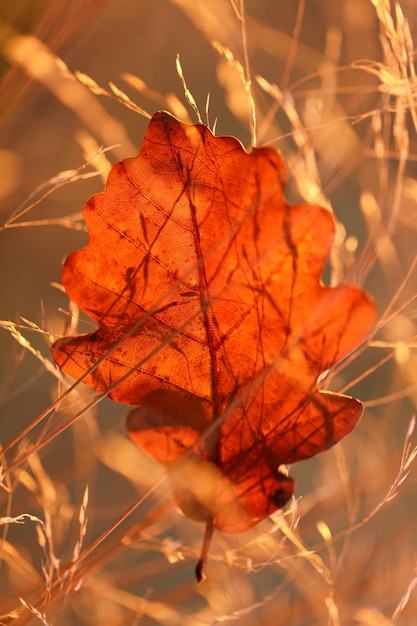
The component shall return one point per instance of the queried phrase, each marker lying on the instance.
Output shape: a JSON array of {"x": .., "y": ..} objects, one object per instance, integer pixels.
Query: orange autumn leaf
[{"x": 213, "y": 320}]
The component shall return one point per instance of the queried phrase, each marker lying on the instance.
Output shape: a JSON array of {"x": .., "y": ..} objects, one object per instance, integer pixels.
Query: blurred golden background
[{"x": 334, "y": 90}]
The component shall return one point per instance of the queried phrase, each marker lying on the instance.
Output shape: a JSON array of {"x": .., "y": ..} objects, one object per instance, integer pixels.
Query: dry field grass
[{"x": 89, "y": 532}]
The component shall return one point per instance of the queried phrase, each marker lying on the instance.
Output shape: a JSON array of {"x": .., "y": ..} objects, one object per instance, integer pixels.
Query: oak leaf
[{"x": 213, "y": 320}]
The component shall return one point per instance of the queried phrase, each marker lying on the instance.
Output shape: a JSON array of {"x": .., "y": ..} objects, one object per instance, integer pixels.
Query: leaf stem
[{"x": 201, "y": 565}]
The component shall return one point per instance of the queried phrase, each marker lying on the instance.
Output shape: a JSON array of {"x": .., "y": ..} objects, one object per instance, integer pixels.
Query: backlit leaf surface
[{"x": 206, "y": 289}]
